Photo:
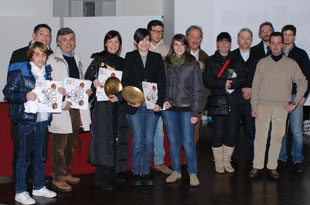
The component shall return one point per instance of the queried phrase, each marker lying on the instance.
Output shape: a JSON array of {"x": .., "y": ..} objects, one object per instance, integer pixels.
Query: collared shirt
[
  {"x": 288, "y": 51},
  {"x": 245, "y": 55},
  {"x": 65, "y": 54},
  {"x": 266, "y": 48},
  {"x": 196, "y": 54}
]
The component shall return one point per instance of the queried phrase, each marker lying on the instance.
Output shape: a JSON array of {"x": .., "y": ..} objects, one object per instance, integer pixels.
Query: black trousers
[
  {"x": 104, "y": 174},
  {"x": 249, "y": 126},
  {"x": 226, "y": 129}
]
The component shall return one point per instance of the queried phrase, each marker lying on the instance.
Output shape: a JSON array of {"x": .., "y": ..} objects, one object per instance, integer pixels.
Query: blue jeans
[
  {"x": 159, "y": 150},
  {"x": 295, "y": 120},
  {"x": 179, "y": 126},
  {"x": 143, "y": 125},
  {"x": 33, "y": 138}
]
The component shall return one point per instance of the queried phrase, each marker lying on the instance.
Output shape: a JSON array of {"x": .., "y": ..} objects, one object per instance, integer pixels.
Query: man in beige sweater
[{"x": 271, "y": 94}]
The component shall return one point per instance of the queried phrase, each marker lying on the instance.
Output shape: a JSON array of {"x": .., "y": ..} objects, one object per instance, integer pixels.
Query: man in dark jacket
[
  {"x": 41, "y": 33},
  {"x": 296, "y": 117},
  {"x": 246, "y": 57},
  {"x": 262, "y": 49}
]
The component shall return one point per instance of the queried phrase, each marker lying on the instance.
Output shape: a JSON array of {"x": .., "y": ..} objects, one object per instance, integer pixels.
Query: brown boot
[
  {"x": 61, "y": 186},
  {"x": 72, "y": 180},
  {"x": 163, "y": 169}
]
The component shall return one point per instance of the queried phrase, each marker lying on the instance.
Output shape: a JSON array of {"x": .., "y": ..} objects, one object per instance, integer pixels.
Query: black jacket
[
  {"x": 185, "y": 86},
  {"x": 217, "y": 85},
  {"x": 20, "y": 82},
  {"x": 301, "y": 57},
  {"x": 259, "y": 50},
  {"x": 135, "y": 73},
  {"x": 109, "y": 144},
  {"x": 249, "y": 65}
]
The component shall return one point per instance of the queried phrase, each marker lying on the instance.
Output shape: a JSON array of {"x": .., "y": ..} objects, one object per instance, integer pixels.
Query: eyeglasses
[
  {"x": 266, "y": 31},
  {"x": 157, "y": 31}
]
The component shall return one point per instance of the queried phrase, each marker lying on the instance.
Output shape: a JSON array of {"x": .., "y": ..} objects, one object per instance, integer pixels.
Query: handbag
[{"x": 217, "y": 105}]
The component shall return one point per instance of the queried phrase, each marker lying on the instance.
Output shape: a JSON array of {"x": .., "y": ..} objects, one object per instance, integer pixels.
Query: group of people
[{"x": 248, "y": 85}]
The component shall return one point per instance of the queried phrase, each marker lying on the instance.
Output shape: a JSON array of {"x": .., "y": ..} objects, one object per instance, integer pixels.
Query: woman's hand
[
  {"x": 134, "y": 105},
  {"x": 113, "y": 98},
  {"x": 228, "y": 84},
  {"x": 68, "y": 106},
  {"x": 62, "y": 91},
  {"x": 156, "y": 108},
  {"x": 96, "y": 83},
  {"x": 194, "y": 120},
  {"x": 167, "y": 105},
  {"x": 31, "y": 96}
]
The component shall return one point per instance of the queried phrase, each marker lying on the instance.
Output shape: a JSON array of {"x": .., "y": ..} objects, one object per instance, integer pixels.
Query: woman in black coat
[
  {"x": 109, "y": 145},
  {"x": 143, "y": 65},
  {"x": 225, "y": 78}
]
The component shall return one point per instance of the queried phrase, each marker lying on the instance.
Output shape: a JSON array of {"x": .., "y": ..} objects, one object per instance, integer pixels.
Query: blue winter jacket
[{"x": 20, "y": 82}]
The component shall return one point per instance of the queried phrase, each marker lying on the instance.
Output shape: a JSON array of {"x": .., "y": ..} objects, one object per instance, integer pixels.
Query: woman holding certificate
[
  {"x": 109, "y": 145},
  {"x": 183, "y": 103},
  {"x": 32, "y": 126},
  {"x": 142, "y": 65}
]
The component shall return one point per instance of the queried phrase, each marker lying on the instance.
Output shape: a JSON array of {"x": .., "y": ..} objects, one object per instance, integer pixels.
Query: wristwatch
[{"x": 294, "y": 104}]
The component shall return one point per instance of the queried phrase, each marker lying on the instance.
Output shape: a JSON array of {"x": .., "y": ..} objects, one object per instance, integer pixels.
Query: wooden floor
[{"x": 215, "y": 188}]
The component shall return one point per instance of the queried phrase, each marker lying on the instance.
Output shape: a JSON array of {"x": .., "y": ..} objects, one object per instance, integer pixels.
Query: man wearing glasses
[
  {"x": 156, "y": 29},
  {"x": 262, "y": 49}
]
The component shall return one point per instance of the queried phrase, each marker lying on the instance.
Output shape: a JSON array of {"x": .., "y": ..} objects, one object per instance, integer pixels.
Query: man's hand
[
  {"x": 290, "y": 107},
  {"x": 62, "y": 91},
  {"x": 89, "y": 92},
  {"x": 31, "y": 96},
  {"x": 302, "y": 102},
  {"x": 254, "y": 113},
  {"x": 247, "y": 93},
  {"x": 68, "y": 106}
]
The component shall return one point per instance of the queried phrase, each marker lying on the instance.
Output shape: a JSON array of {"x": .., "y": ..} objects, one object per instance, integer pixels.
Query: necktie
[{"x": 268, "y": 51}]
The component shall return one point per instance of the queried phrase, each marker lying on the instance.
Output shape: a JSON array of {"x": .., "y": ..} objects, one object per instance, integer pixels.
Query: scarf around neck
[{"x": 177, "y": 62}]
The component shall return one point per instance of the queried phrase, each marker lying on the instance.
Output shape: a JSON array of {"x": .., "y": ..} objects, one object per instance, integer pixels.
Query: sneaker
[
  {"x": 173, "y": 177},
  {"x": 147, "y": 179},
  {"x": 44, "y": 192},
  {"x": 193, "y": 180},
  {"x": 163, "y": 169},
  {"x": 24, "y": 198}
]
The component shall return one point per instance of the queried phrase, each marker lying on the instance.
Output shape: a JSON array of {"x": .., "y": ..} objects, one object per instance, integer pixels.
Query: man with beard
[{"x": 262, "y": 49}]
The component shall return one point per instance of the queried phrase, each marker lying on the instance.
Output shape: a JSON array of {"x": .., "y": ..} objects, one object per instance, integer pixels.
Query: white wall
[
  {"x": 139, "y": 7},
  {"x": 16, "y": 33},
  {"x": 26, "y": 8},
  {"x": 90, "y": 32},
  {"x": 226, "y": 15},
  {"x": 168, "y": 20}
]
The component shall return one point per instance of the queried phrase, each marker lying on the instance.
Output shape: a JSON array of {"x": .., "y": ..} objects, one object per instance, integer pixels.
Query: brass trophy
[
  {"x": 112, "y": 86},
  {"x": 133, "y": 95}
]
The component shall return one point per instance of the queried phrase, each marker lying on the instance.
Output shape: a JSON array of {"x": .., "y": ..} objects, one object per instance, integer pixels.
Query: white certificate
[
  {"x": 48, "y": 97},
  {"x": 103, "y": 75},
  {"x": 76, "y": 92},
  {"x": 150, "y": 94}
]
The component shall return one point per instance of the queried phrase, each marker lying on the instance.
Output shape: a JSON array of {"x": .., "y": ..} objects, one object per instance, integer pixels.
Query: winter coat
[
  {"x": 61, "y": 122},
  {"x": 217, "y": 85},
  {"x": 184, "y": 86},
  {"x": 20, "y": 82},
  {"x": 110, "y": 136}
]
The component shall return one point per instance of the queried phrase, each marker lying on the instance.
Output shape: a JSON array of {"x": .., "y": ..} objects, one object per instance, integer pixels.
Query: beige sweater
[
  {"x": 272, "y": 84},
  {"x": 162, "y": 49}
]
